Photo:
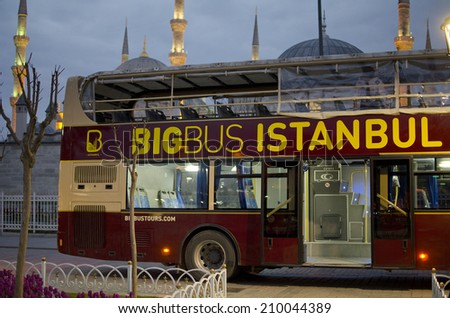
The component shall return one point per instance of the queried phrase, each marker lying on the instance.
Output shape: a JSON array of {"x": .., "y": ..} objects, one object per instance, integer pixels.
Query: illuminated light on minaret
[
  {"x": 144, "y": 52},
  {"x": 125, "y": 52},
  {"x": 177, "y": 55},
  {"x": 404, "y": 40},
  {"x": 255, "y": 43},
  {"x": 21, "y": 42}
]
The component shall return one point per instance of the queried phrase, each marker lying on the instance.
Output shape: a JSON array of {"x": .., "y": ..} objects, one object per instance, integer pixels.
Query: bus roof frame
[{"x": 232, "y": 77}]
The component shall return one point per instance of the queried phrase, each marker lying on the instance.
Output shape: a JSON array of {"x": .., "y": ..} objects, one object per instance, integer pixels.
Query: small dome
[
  {"x": 311, "y": 48},
  {"x": 139, "y": 64}
]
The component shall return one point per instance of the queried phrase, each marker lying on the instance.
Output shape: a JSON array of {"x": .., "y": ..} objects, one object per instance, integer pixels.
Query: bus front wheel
[{"x": 210, "y": 250}]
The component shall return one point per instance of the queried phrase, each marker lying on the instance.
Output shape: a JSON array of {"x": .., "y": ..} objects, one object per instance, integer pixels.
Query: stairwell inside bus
[{"x": 336, "y": 213}]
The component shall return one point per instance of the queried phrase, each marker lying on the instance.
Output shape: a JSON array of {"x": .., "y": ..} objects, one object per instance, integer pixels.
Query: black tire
[{"x": 210, "y": 250}]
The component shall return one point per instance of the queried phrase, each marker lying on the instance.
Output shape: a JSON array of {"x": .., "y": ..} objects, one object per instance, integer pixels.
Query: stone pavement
[
  {"x": 43, "y": 245},
  {"x": 313, "y": 282},
  {"x": 35, "y": 241},
  {"x": 301, "y": 282}
]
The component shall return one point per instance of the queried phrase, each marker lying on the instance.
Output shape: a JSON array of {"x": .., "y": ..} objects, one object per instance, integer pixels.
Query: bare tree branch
[
  {"x": 53, "y": 107},
  {"x": 8, "y": 124},
  {"x": 131, "y": 166},
  {"x": 30, "y": 84},
  {"x": 3, "y": 115},
  {"x": 3, "y": 150}
]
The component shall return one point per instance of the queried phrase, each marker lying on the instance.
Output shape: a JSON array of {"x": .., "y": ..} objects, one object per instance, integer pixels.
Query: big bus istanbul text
[{"x": 278, "y": 137}]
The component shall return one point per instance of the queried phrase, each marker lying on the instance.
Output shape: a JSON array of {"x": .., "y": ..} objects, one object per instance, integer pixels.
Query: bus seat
[
  {"x": 180, "y": 200},
  {"x": 154, "y": 114},
  {"x": 164, "y": 198},
  {"x": 225, "y": 112},
  {"x": 143, "y": 198},
  {"x": 262, "y": 110},
  {"x": 137, "y": 202},
  {"x": 189, "y": 113},
  {"x": 173, "y": 199}
]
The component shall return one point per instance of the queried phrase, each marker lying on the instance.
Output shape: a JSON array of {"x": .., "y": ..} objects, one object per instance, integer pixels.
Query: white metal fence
[
  {"x": 152, "y": 281},
  {"x": 439, "y": 283},
  {"x": 43, "y": 213}
]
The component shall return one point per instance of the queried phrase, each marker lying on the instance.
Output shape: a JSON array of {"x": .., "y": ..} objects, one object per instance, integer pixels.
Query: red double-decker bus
[{"x": 331, "y": 161}]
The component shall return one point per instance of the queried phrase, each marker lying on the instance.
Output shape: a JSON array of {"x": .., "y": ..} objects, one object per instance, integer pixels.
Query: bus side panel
[
  {"x": 91, "y": 234},
  {"x": 63, "y": 242},
  {"x": 432, "y": 240},
  {"x": 159, "y": 236},
  {"x": 169, "y": 232},
  {"x": 281, "y": 250}
]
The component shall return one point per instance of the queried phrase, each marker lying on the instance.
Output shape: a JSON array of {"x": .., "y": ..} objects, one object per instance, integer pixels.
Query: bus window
[
  {"x": 87, "y": 101},
  {"x": 280, "y": 215},
  {"x": 238, "y": 185},
  {"x": 172, "y": 186},
  {"x": 432, "y": 183},
  {"x": 277, "y": 187},
  {"x": 391, "y": 191}
]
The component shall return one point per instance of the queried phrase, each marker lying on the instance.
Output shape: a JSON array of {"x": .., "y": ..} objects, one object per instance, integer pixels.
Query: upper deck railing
[{"x": 309, "y": 87}]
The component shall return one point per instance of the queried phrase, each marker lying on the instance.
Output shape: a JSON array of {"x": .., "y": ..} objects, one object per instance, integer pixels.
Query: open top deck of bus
[{"x": 313, "y": 87}]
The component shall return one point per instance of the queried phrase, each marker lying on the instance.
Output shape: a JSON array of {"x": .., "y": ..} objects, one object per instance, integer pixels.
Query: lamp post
[{"x": 446, "y": 28}]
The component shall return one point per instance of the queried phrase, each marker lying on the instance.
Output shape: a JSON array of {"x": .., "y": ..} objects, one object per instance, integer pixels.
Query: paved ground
[
  {"x": 273, "y": 283},
  {"x": 332, "y": 282}
]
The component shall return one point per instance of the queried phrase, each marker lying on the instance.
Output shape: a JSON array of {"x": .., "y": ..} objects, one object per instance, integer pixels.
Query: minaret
[
  {"x": 428, "y": 40},
  {"x": 20, "y": 41},
  {"x": 255, "y": 43},
  {"x": 177, "y": 55},
  {"x": 324, "y": 24},
  {"x": 125, "y": 44},
  {"x": 21, "y": 117},
  {"x": 404, "y": 41},
  {"x": 319, "y": 11}
]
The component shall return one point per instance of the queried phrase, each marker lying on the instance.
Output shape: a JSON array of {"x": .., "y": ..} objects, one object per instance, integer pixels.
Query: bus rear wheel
[{"x": 210, "y": 250}]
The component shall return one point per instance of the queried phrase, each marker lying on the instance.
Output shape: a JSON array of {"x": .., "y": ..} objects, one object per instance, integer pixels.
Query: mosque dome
[
  {"x": 311, "y": 48},
  {"x": 141, "y": 63}
]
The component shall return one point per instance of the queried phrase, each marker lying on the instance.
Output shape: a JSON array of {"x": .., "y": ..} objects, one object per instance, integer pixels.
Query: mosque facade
[{"x": 46, "y": 170}]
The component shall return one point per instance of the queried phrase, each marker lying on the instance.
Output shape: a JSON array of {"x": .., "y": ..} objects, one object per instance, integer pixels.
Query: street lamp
[{"x": 446, "y": 28}]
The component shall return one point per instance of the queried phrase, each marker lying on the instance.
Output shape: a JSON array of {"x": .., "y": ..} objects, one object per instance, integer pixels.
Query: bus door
[
  {"x": 281, "y": 220},
  {"x": 392, "y": 214}
]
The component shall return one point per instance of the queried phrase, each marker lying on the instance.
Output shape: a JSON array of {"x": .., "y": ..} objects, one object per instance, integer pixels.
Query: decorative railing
[
  {"x": 212, "y": 286},
  {"x": 44, "y": 211},
  {"x": 151, "y": 281},
  {"x": 439, "y": 283}
]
